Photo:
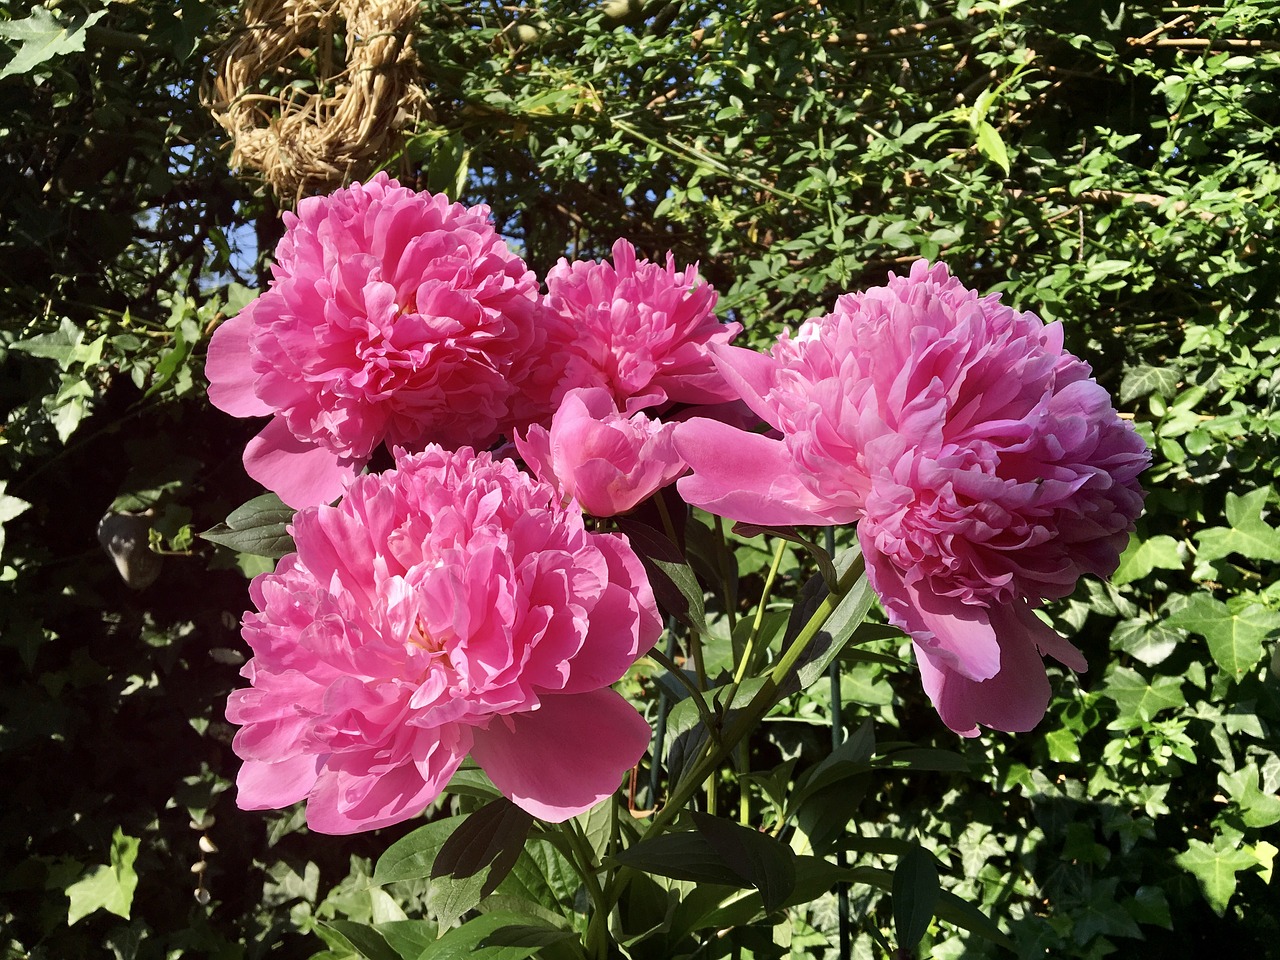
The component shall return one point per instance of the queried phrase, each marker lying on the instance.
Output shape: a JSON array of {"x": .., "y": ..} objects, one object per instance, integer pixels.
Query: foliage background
[{"x": 1112, "y": 165}]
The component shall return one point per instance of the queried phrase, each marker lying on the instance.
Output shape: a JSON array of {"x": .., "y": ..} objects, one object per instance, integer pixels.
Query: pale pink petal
[
  {"x": 229, "y": 368},
  {"x": 744, "y": 476},
  {"x": 301, "y": 474},
  {"x": 566, "y": 756},
  {"x": 269, "y": 786},
  {"x": 751, "y": 374}
]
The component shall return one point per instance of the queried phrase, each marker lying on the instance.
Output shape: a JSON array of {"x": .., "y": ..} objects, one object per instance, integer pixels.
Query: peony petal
[
  {"x": 751, "y": 375},
  {"x": 565, "y": 757},
  {"x": 302, "y": 474},
  {"x": 1015, "y": 699},
  {"x": 745, "y": 477},
  {"x": 955, "y": 633},
  {"x": 269, "y": 786},
  {"x": 229, "y": 368}
]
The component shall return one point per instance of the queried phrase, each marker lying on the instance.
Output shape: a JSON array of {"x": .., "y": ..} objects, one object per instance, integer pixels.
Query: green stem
[
  {"x": 759, "y": 705},
  {"x": 694, "y": 693},
  {"x": 584, "y": 860}
]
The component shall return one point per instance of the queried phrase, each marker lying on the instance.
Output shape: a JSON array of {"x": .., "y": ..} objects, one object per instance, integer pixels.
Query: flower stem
[{"x": 584, "y": 861}]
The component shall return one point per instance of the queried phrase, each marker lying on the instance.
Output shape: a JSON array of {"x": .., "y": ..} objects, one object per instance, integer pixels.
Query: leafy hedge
[{"x": 1112, "y": 166}]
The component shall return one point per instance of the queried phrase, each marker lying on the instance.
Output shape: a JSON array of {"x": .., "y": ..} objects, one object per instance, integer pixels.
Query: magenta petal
[
  {"x": 1020, "y": 618},
  {"x": 302, "y": 474},
  {"x": 269, "y": 786},
  {"x": 1015, "y": 699},
  {"x": 229, "y": 368},
  {"x": 565, "y": 757},
  {"x": 342, "y": 803},
  {"x": 745, "y": 477}
]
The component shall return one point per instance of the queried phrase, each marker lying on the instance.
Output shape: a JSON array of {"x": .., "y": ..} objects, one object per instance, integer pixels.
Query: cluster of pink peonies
[
  {"x": 447, "y": 606},
  {"x": 984, "y": 467},
  {"x": 456, "y": 605}
]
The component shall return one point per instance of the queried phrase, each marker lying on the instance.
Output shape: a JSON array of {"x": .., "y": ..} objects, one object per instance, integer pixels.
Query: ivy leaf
[
  {"x": 44, "y": 37},
  {"x": 1139, "y": 700},
  {"x": 10, "y": 507},
  {"x": 1215, "y": 867},
  {"x": 1143, "y": 556},
  {"x": 1257, "y": 809},
  {"x": 107, "y": 888},
  {"x": 1235, "y": 639},
  {"x": 259, "y": 527},
  {"x": 1249, "y": 535},
  {"x": 1145, "y": 379}
]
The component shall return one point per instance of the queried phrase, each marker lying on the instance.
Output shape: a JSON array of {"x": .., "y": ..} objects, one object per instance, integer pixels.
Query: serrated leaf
[
  {"x": 44, "y": 37},
  {"x": 1143, "y": 556},
  {"x": 107, "y": 887},
  {"x": 915, "y": 893},
  {"x": 757, "y": 858},
  {"x": 1215, "y": 867},
  {"x": 1235, "y": 639},
  {"x": 259, "y": 527},
  {"x": 1249, "y": 535}
]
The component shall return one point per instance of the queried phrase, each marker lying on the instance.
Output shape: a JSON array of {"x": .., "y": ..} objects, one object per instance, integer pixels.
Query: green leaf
[
  {"x": 1257, "y": 809},
  {"x": 757, "y": 858},
  {"x": 359, "y": 938},
  {"x": 60, "y": 345},
  {"x": 411, "y": 857},
  {"x": 915, "y": 894},
  {"x": 259, "y": 527},
  {"x": 110, "y": 887},
  {"x": 485, "y": 938},
  {"x": 840, "y": 625},
  {"x": 674, "y": 585},
  {"x": 1144, "y": 379},
  {"x": 991, "y": 145},
  {"x": 1249, "y": 535},
  {"x": 847, "y": 760},
  {"x": 1235, "y": 639},
  {"x": 1143, "y": 556},
  {"x": 1139, "y": 700},
  {"x": 475, "y": 858},
  {"x": 408, "y": 938},
  {"x": 1215, "y": 867},
  {"x": 43, "y": 38},
  {"x": 10, "y": 507},
  {"x": 680, "y": 856}
]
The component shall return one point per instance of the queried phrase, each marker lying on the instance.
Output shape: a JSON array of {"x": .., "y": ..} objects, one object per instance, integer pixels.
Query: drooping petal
[
  {"x": 565, "y": 757},
  {"x": 302, "y": 474},
  {"x": 230, "y": 371}
]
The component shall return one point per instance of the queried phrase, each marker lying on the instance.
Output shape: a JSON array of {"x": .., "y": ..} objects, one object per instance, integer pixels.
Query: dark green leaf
[
  {"x": 475, "y": 858},
  {"x": 915, "y": 894},
  {"x": 259, "y": 527},
  {"x": 411, "y": 857},
  {"x": 757, "y": 858}
]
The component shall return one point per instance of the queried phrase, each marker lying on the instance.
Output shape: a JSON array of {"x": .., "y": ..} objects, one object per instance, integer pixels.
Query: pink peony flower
[
  {"x": 637, "y": 329},
  {"x": 394, "y": 316},
  {"x": 986, "y": 471},
  {"x": 447, "y": 606},
  {"x": 606, "y": 461}
]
